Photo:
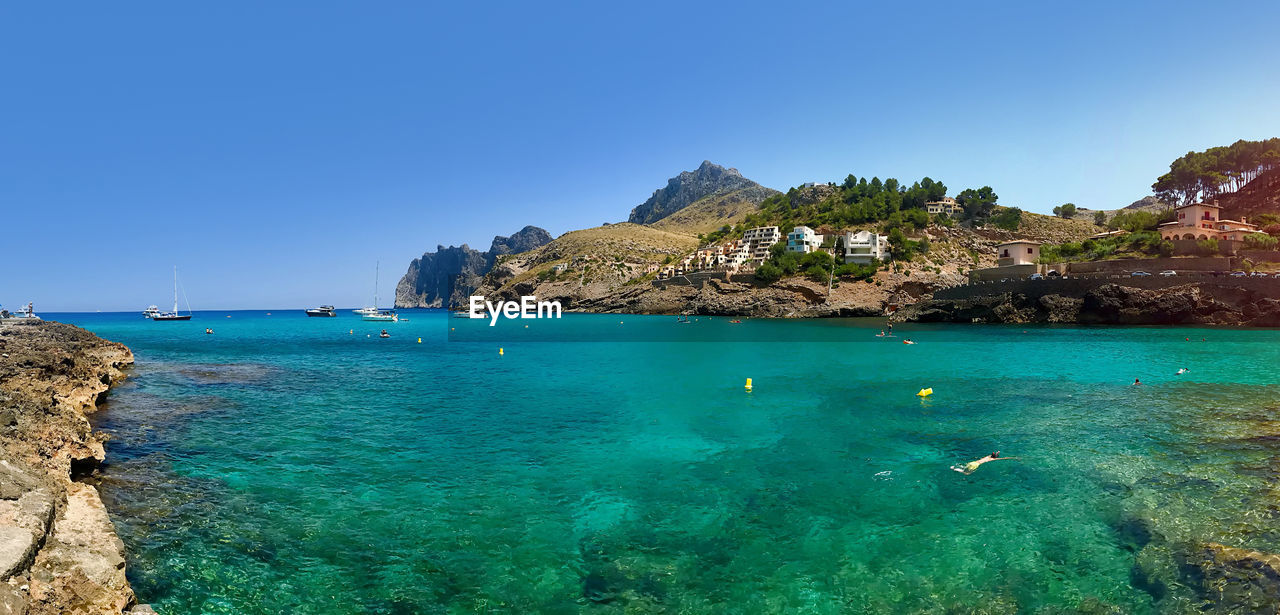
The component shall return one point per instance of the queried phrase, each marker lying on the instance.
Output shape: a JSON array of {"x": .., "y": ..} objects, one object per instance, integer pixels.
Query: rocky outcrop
[
  {"x": 447, "y": 276},
  {"x": 58, "y": 550},
  {"x": 1112, "y": 304},
  {"x": 690, "y": 186}
]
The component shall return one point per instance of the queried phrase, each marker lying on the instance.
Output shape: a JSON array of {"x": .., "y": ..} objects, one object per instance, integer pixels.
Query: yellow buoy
[
  {"x": 748, "y": 387},
  {"x": 499, "y": 352},
  {"x": 351, "y": 332},
  {"x": 925, "y": 392},
  {"x": 419, "y": 340}
]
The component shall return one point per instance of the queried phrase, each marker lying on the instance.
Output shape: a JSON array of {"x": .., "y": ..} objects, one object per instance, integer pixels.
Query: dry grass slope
[{"x": 708, "y": 214}]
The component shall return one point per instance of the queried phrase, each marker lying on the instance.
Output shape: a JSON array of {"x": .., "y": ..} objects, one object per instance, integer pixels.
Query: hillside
[
  {"x": 604, "y": 257},
  {"x": 689, "y": 187},
  {"x": 713, "y": 212},
  {"x": 1260, "y": 196}
]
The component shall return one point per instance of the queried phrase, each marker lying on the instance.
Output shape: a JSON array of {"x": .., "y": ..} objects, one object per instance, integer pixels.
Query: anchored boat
[
  {"x": 322, "y": 311},
  {"x": 174, "y": 315}
]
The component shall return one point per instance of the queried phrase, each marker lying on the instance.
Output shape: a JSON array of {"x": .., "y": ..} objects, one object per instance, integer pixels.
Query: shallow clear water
[{"x": 287, "y": 465}]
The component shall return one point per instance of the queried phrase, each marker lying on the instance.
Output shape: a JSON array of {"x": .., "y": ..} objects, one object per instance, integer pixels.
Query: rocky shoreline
[
  {"x": 59, "y": 552},
  {"x": 1108, "y": 304}
]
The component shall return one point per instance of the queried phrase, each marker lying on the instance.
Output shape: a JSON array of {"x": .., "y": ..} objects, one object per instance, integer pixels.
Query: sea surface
[{"x": 293, "y": 465}]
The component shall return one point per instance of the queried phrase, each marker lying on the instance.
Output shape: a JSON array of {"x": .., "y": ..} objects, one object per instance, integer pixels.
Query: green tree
[
  {"x": 768, "y": 273},
  {"x": 1100, "y": 218},
  {"x": 1065, "y": 210},
  {"x": 1260, "y": 241},
  {"x": 977, "y": 203},
  {"x": 1008, "y": 218}
]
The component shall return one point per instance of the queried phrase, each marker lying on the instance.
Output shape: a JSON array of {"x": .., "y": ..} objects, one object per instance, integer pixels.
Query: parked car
[
  {"x": 1238, "y": 274},
  {"x": 1259, "y": 274},
  {"x": 1138, "y": 274},
  {"x": 1277, "y": 275},
  {"x": 1168, "y": 273},
  {"x": 1054, "y": 273},
  {"x": 1035, "y": 276}
]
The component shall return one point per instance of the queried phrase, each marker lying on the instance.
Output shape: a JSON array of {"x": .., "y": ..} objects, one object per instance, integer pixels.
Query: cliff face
[
  {"x": 449, "y": 275},
  {"x": 58, "y": 550},
  {"x": 691, "y": 186}
]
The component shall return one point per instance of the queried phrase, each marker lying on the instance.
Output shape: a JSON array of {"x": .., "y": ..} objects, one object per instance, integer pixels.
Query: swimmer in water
[
  {"x": 1137, "y": 382},
  {"x": 969, "y": 468},
  {"x": 1182, "y": 371}
]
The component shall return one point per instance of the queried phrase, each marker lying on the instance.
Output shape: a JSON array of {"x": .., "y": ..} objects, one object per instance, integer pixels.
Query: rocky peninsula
[{"x": 59, "y": 552}]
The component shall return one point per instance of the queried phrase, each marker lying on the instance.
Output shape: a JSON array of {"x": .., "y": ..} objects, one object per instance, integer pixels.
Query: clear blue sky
[{"x": 275, "y": 151}]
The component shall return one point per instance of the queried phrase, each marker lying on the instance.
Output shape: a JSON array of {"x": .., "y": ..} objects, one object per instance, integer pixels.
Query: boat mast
[
  {"x": 376, "y": 267},
  {"x": 175, "y": 290}
]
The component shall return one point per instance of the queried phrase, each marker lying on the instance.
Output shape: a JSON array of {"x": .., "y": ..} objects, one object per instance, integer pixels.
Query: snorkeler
[{"x": 968, "y": 468}]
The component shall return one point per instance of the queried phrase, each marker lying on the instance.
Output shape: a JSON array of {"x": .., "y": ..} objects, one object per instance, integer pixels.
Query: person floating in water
[
  {"x": 969, "y": 468},
  {"x": 1182, "y": 371},
  {"x": 907, "y": 341},
  {"x": 1137, "y": 382}
]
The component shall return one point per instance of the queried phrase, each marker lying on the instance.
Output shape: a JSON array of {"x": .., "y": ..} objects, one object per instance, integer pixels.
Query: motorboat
[
  {"x": 382, "y": 316},
  {"x": 151, "y": 311},
  {"x": 323, "y": 311}
]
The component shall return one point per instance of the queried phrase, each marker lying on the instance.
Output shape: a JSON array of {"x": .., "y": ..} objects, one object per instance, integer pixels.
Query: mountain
[
  {"x": 689, "y": 187},
  {"x": 447, "y": 276}
]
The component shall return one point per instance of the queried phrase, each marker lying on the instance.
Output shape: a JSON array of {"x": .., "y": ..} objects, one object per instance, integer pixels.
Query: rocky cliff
[
  {"x": 1110, "y": 304},
  {"x": 689, "y": 187},
  {"x": 58, "y": 550},
  {"x": 448, "y": 275}
]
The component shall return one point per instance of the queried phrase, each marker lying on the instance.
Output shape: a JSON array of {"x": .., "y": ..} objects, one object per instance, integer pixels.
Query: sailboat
[
  {"x": 372, "y": 312},
  {"x": 174, "y": 315}
]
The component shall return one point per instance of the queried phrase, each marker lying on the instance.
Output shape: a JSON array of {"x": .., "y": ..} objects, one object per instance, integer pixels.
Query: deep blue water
[{"x": 295, "y": 465}]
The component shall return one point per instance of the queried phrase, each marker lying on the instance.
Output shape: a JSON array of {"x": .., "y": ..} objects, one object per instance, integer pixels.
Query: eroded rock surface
[{"x": 58, "y": 550}]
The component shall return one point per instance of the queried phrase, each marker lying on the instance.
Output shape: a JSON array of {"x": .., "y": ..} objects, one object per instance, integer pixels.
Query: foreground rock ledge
[{"x": 58, "y": 550}]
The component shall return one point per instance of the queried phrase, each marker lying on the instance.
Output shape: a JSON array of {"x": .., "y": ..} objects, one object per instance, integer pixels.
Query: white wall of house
[{"x": 803, "y": 240}]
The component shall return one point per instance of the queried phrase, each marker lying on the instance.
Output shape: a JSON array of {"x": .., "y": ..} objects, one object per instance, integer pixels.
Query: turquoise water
[{"x": 285, "y": 465}]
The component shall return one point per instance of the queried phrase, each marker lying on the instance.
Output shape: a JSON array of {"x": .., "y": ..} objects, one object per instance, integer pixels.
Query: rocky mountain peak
[{"x": 709, "y": 179}]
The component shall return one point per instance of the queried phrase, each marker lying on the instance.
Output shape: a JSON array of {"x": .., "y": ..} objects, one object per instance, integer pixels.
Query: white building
[
  {"x": 863, "y": 247},
  {"x": 1017, "y": 253},
  {"x": 803, "y": 240},
  {"x": 758, "y": 241},
  {"x": 947, "y": 206}
]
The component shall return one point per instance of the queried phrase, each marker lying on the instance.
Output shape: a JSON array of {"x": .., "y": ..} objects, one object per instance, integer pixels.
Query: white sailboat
[
  {"x": 372, "y": 312},
  {"x": 174, "y": 315}
]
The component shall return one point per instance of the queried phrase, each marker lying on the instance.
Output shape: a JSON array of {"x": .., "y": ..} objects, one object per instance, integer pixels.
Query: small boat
[
  {"x": 150, "y": 312},
  {"x": 384, "y": 334},
  {"x": 735, "y": 322},
  {"x": 322, "y": 311},
  {"x": 24, "y": 313},
  {"x": 365, "y": 311},
  {"x": 382, "y": 316},
  {"x": 174, "y": 315}
]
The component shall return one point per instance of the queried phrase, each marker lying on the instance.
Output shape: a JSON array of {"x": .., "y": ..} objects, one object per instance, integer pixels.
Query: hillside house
[
  {"x": 1019, "y": 252},
  {"x": 803, "y": 240},
  {"x": 862, "y": 247}
]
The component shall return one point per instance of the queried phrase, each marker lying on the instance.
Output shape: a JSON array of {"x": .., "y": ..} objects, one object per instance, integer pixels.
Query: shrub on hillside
[
  {"x": 1207, "y": 247},
  {"x": 1008, "y": 219},
  {"x": 768, "y": 273},
  {"x": 1260, "y": 241}
]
